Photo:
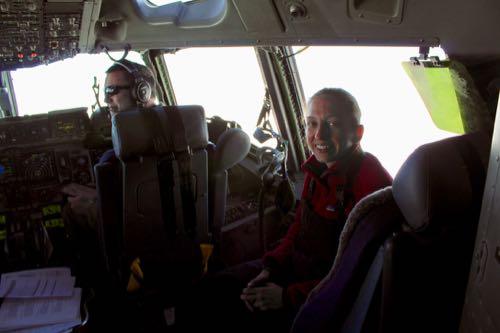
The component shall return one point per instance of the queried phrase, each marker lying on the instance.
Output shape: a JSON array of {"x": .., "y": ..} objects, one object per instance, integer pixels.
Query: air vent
[{"x": 376, "y": 11}]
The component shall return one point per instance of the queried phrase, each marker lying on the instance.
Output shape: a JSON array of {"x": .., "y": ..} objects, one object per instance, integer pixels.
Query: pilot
[
  {"x": 80, "y": 214},
  {"x": 120, "y": 91},
  {"x": 267, "y": 293},
  {"x": 120, "y": 95}
]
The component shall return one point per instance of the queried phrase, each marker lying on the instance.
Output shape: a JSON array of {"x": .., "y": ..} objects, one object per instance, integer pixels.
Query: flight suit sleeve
[{"x": 280, "y": 257}]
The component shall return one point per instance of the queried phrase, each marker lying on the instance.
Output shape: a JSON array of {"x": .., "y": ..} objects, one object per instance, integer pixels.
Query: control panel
[
  {"x": 38, "y": 156},
  {"x": 37, "y": 32}
]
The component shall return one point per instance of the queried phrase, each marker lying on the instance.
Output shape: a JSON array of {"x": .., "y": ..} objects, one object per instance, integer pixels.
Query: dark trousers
[{"x": 216, "y": 305}]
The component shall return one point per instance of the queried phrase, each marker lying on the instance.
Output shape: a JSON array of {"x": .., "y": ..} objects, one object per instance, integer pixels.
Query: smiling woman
[{"x": 333, "y": 128}]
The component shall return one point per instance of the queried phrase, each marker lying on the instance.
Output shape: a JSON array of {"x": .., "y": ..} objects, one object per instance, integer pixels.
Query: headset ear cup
[{"x": 142, "y": 90}]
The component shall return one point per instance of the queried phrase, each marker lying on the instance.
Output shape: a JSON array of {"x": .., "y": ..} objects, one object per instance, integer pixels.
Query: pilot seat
[{"x": 158, "y": 202}]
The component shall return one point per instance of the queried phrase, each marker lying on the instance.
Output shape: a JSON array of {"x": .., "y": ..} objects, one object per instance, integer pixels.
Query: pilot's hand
[
  {"x": 267, "y": 297},
  {"x": 80, "y": 198},
  {"x": 260, "y": 279}
]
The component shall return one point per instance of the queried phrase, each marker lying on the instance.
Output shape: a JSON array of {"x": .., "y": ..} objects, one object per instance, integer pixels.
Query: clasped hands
[{"x": 260, "y": 294}]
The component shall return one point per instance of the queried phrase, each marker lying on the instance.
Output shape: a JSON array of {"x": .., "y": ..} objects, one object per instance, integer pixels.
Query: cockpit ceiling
[{"x": 41, "y": 31}]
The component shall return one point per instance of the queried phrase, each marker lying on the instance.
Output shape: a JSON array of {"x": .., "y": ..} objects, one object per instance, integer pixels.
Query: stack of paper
[{"x": 41, "y": 300}]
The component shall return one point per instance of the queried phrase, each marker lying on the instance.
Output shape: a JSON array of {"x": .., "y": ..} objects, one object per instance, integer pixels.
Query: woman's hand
[{"x": 264, "y": 298}]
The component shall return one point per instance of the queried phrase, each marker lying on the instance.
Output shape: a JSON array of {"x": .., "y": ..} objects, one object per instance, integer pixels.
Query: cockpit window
[
  {"x": 63, "y": 85},
  {"x": 227, "y": 82},
  {"x": 394, "y": 116}
]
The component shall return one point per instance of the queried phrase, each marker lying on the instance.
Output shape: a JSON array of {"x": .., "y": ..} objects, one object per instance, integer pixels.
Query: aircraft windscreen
[
  {"x": 63, "y": 85},
  {"x": 228, "y": 83},
  {"x": 394, "y": 116}
]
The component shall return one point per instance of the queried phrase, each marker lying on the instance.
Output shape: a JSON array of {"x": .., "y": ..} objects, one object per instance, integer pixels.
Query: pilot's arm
[{"x": 82, "y": 200}]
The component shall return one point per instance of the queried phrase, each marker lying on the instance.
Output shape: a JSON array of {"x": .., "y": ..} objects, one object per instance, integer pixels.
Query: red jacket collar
[{"x": 319, "y": 170}]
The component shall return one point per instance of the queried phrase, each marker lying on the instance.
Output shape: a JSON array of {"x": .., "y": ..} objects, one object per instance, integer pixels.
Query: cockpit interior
[{"x": 211, "y": 176}]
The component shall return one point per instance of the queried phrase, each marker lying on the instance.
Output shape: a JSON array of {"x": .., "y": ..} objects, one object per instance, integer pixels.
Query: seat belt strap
[
  {"x": 356, "y": 318},
  {"x": 163, "y": 147},
  {"x": 183, "y": 153},
  {"x": 166, "y": 184},
  {"x": 161, "y": 144}
]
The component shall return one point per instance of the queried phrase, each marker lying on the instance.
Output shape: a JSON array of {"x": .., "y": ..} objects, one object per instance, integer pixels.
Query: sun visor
[
  {"x": 435, "y": 86},
  {"x": 449, "y": 94}
]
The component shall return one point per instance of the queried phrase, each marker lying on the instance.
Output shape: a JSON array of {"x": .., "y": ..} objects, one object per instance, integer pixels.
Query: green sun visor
[{"x": 437, "y": 83}]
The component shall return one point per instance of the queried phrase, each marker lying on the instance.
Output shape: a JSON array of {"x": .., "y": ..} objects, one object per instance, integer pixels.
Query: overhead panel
[
  {"x": 193, "y": 14},
  {"x": 377, "y": 11},
  {"x": 300, "y": 17},
  {"x": 313, "y": 22},
  {"x": 34, "y": 32},
  {"x": 263, "y": 17}
]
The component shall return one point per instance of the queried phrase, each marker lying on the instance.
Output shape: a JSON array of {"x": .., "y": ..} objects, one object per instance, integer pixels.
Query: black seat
[
  {"x": 405, "y": 254},
  {"x": 232, "y": 146},
  {"x": 145, "y": 210},
  {"x": 133, "y": 222},
  {"x": 439, "y": 190},
  {"x": 109, "y": 226},
  {"x": 142, "y": 203}
]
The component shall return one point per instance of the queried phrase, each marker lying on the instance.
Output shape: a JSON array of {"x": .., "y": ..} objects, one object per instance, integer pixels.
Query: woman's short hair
[{"x": 339, "y": 93}]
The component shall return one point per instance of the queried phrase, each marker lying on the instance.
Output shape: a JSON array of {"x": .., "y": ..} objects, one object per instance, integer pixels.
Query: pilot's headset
[{"x": 141, "y": 89}]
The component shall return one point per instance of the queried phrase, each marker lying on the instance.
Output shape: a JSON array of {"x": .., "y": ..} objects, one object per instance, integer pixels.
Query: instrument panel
[
  {"x": 38, "y": 156},
  {"x": 38, "y": 32}
]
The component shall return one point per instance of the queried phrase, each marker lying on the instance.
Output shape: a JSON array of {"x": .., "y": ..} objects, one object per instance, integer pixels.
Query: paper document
[
  {"x": 54, "y": 328},
  {"x": 20, "y": 313},
  {"x": 50, "y": 282}
]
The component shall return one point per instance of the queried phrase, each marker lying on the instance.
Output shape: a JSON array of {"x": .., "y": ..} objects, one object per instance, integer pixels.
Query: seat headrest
[
  {"x": 232, "y": 147},
  {"x": 133, "y": 136},
  {"x": 434, "y": 185}
]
